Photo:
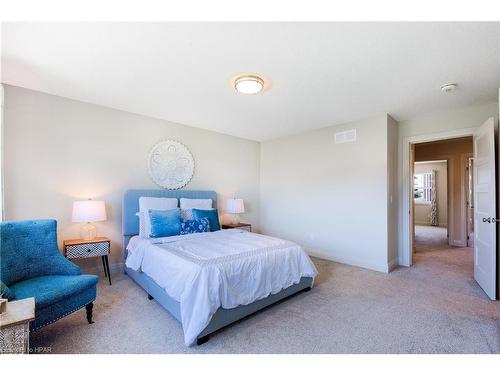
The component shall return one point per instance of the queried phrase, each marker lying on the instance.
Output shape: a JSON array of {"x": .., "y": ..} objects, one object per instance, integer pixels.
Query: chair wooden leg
[
  {"x": 89, "y": 308},
  {"x": 104, "y": 266},
  {"x": 107, "y": 267}
]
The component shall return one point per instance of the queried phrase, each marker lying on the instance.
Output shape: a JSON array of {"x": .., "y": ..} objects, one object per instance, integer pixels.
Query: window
[{"x": 422, "y": 187}]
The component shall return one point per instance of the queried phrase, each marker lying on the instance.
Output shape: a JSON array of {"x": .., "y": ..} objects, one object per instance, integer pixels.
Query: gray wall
[
  {"x": 338, "y": 201},
  {"x": 330, "y": 198},
  {"x": 60, "y": 150},
  {"x": 434, "y": 123}
]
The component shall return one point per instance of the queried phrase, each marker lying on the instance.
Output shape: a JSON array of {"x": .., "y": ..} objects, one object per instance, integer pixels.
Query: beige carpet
[
  {"x": 428, "y": 238},
  {"x": 433, "y": 307}
]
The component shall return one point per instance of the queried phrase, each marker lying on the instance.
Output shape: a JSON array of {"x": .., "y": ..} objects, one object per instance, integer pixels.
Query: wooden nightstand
[
  {"x": 97, "y": 247},
  {"x": 14, "y": 326},
  {"x": 243, "y": 226}
]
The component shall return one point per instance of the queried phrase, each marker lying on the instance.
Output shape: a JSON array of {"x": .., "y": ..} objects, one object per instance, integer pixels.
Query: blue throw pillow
[
  {"x": 165, "y": 223},
  {"x": 211, "y": 215},
  {"x": 195, "y": 226}
]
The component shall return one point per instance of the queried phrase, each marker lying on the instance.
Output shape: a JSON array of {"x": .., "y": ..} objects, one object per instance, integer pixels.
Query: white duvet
[{"x": 227, "y": 268}]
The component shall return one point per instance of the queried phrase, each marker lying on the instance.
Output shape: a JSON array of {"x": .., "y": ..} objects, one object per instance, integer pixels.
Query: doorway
[
  {"x": 440, "y": 192},
  {"x": 482, "y": 207},
  {"x": 430, "y": 194}
]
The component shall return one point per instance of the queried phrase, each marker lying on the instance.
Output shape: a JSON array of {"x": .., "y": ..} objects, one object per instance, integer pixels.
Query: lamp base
[
  {"x": 235, "y": 219},
  {"x": 88, "y": 232}
]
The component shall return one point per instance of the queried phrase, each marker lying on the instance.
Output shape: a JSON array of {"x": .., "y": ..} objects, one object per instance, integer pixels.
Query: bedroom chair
[{"x": 32, "y": 266}]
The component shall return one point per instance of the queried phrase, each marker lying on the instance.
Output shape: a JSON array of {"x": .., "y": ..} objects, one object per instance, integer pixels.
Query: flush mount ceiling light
[
  {"x": 248, "y": 84},
  {"x": 449, "y": 87}
]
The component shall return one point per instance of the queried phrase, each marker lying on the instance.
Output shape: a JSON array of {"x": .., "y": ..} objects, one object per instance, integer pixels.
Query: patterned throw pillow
[
  {"x": 212, "y": 216},
  {"x": 195, "y": 226}
]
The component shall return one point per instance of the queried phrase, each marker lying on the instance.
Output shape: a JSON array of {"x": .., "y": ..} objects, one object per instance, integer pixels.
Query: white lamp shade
[
  {"x": 88, "y": 211},
  {"x": 235, "y": 206}
]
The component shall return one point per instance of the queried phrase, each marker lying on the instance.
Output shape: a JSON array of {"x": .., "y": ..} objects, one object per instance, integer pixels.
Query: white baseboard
[
  {"x": 427, "y": 224},
  {"x": 424, "y": 223},
  {"x": 384, "y": 267}
]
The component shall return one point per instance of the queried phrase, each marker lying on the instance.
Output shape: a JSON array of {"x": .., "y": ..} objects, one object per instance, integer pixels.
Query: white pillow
[
  {"x": 188, "y": 204},
  {"x": 201, "y": 204},
  {"x": 152, "y": 203},
  {"x": 142, "y": 224}
]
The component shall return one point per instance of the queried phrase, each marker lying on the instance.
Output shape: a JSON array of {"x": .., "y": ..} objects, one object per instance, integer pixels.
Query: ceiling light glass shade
[{"x": 249, "y": 84}]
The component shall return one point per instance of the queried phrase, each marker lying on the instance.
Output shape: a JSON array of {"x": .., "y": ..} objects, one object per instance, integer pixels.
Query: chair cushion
[
  {"x": 49, "y": 290},
  {"x": 59, "y": 310}
]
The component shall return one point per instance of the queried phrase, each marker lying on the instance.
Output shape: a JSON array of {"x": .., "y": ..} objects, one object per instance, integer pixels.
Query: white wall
[
  {"x": 434, "y": 123},
  {"x": 423, "y": 210},
  {"x": 330, "y": 198},
  {"x": 60, "y": 150}
]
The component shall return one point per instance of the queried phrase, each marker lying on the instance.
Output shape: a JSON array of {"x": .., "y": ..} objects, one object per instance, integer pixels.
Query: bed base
[{"x": 222, "y": 317}]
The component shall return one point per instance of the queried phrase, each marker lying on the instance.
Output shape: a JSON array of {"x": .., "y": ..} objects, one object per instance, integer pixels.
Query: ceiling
[{"x": 317, "y": 74}]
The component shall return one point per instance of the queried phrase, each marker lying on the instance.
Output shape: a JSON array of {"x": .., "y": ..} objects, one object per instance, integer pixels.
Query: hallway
[
  {"x": 429, "y": 238},
  {"x": 433, "y": 253}
]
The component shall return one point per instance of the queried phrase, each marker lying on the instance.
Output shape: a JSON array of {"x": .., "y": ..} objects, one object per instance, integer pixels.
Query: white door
[
  {"x": 485, "y": 208},
  {"x": 412, "y": 202}
]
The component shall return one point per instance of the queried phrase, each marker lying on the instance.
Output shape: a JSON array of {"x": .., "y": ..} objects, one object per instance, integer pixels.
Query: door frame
[{"x": 406, "y": 245}]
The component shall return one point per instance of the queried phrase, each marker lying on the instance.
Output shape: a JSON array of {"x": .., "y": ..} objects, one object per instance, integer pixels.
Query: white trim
[
  {"x": 380, "y": 267},
  {"x": 431, "y": 162},
  {"x": 428, "y": 224},
  {"x": 423, "y": 223},
  {"x": 405, "y": 258},
  {"x": 392, "y": 264}
]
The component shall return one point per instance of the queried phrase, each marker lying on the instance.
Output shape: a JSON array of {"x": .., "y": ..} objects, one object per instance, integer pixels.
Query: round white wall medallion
[{"x": 171, "y": 165}]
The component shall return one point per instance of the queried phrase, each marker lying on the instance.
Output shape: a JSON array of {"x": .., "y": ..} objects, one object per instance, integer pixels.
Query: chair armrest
[{"x": 59, "y": 265}]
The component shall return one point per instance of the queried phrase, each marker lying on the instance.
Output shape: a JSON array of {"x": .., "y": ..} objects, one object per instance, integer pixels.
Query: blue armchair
[{"x": 32, "y": 266}]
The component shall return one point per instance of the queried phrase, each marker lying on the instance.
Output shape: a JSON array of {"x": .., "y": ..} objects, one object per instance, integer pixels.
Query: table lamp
[
  {"x": 88, "y": 211},
  {"x": 235, "y": 206}
]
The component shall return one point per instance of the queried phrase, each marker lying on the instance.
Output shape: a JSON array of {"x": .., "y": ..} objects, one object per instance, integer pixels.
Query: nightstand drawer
[{"x": 87, "y": 250}]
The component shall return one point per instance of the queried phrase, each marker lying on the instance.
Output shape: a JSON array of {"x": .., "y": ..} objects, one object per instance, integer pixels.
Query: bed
[{"x": 210, "y": 280}]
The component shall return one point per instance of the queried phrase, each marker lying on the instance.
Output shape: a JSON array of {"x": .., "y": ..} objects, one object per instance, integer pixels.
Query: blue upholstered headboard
[{"x": 130, "y": 221}]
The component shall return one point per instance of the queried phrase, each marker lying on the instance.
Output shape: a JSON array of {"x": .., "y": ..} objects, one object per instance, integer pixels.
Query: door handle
[{"x": 490, "y": 220}]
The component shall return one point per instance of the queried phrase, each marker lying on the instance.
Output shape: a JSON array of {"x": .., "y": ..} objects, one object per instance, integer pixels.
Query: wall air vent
[{"x": 347, "y": 136}]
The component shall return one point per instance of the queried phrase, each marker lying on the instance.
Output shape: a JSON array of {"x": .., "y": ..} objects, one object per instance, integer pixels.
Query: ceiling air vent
[{"x": 344, "y": 137}]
